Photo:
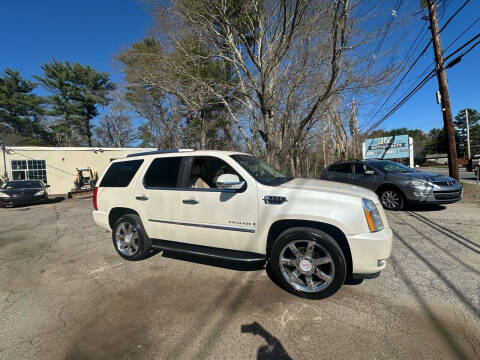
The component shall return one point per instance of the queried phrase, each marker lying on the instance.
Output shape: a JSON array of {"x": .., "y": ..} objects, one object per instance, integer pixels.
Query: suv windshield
[
  {"x": 392, "y": 167},
  {"x": 23, "y": 185},
  {"x": 261, "y": 171}
]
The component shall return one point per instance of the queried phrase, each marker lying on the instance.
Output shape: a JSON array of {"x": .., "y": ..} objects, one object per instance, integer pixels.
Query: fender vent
[{"x": 274, "y": 199}]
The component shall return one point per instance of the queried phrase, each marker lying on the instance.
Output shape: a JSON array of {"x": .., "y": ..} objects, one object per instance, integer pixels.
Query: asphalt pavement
[
  {"x": 465, "y": 176},
  {"x": 66, "y": 294}
]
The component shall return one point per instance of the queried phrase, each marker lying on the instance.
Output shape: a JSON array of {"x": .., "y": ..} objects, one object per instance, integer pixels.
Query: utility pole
[
  {"x": 4, "y": 163},
  {"x": 443, "y": 87},
  {"x": 468, "y": 135}
]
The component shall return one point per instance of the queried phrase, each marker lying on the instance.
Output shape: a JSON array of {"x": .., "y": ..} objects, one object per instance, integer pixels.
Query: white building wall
[{"x": 62, "y": 162}]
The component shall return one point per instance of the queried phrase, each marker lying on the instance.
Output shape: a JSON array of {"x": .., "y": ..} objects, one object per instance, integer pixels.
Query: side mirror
[
  {"x": 47, "y": 185},
  {"x": 369, "y": 172},
  {"x": 229, "y": 181}
]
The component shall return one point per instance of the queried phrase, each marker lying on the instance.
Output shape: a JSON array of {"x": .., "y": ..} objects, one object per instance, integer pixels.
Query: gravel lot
[{"x": 65, "y": 293}]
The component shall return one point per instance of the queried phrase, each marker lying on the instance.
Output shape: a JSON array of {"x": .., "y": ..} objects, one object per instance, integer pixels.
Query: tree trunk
[{"x": 203, "y": 134}]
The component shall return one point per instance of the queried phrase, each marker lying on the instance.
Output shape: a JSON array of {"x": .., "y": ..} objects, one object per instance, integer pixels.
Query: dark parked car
[
  {"x": 23, "y": 192},
  {"x": 395, "y": 183}
]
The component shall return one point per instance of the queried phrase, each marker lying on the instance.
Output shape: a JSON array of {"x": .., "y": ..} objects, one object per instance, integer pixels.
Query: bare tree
[
  {"x": 291, "y": 60},
  {"x": 116, "y": 128}
]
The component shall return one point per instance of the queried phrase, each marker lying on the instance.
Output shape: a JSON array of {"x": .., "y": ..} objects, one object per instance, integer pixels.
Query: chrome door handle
[
  {"x": 190, "y": 201},
  {"x": 142, "y": 197}
]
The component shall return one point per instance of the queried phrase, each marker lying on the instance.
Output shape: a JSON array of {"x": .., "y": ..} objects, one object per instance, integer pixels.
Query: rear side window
[
  {"x": 361, "y": 168},
  {"x": 163, "y": 172},
  {"x": 120, "y": 174},
  {"x": 342, "y": 168}
]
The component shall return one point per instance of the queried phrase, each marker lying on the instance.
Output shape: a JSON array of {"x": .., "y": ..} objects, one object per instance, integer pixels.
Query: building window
[{"x": 29, "y": 170}]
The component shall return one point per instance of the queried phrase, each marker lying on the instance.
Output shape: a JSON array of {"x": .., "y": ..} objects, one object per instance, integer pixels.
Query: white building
[{"x": 57, "y": 165}]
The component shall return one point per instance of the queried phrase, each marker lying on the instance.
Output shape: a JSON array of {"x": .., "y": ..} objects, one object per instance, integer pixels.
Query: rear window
[
  {"x": 163, "y": 172},
  {"x": 120, "y": 174},
  {"x": 342, "y": 168}
]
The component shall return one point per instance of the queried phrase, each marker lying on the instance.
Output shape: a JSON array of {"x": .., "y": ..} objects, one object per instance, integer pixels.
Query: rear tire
[
  {"x": 130, "y": 239},
  {"x": 308, "y": 262},
  {"x": 392, "y": 199}
]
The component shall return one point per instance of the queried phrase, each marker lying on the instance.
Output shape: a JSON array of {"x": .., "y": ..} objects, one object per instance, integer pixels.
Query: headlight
[
  {"x": 41, "y": 192},
  {"x": 374, "y": 220},
  {"x": 3, "y": 195},
  {"x": 416, "y": 182}
]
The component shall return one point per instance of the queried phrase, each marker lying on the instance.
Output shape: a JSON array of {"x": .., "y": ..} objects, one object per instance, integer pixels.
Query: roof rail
[{"x": 160, "y": 152}]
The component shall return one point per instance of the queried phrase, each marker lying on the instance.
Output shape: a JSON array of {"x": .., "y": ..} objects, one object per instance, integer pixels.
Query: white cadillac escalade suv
[{"x": 234, "y": 207}]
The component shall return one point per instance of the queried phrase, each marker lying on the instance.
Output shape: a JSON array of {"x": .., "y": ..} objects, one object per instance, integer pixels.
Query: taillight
[{"x": 95, "y": 204}]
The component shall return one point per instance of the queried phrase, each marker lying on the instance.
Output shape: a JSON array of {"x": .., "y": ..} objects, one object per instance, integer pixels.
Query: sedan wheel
[{"x": 391, "y": 199}]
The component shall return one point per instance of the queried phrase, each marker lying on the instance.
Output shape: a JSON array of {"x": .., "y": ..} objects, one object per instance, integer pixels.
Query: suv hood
[
  {"x": 331, "y": 187},
  {"x": 420, "y": 175}
]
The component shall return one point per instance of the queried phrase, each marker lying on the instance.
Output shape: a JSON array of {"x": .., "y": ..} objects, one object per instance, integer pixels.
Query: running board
[{"x": 209, "y": 252}]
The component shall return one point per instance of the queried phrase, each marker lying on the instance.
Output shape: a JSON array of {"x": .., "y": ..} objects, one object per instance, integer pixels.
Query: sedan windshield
[
  {"x": 392, "y": 167},
  {"x": 23, "y": 185},
  {"x": 261, "y": 171}
]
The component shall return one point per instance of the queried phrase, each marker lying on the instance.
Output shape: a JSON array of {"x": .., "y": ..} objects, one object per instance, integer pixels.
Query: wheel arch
[
  {"x": 279, "y": 226},
  {"x": 389, "y": 185},
  {"x": 117, "y": 212}
]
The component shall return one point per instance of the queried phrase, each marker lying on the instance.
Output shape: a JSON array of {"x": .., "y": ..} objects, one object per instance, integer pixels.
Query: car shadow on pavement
[
  {"x": 460, "y": 296},
  {"x": 274, "y": 348},
  {"x": 54, "y": 200},
  {"x": 424, "y": 207},
  {"x": 462, "y": 240},
  {"x": 442, "y": 329},
  {"x": 443, "y": 249},
  {"x": 213, "y": 262}
]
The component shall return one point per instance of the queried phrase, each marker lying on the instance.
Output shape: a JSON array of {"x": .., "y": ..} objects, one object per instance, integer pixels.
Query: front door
[
  {"x": 369, "y": 181},
  {"x": 217, "y": 217}
]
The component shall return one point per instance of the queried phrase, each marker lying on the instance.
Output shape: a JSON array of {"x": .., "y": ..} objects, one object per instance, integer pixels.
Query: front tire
[
  {"x": 130, "y": 239},
  {"x": 308, "y": 262},
  {"x": 392, "y": 199}
]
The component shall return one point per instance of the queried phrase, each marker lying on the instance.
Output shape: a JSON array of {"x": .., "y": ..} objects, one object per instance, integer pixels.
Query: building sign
[{"x": 389, "y": 147}]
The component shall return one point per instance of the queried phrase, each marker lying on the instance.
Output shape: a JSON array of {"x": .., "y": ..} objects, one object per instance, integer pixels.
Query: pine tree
[
  {"x": 461, "y": 127},
  {"x": 21, "y": 110},
  {"x": 76, "y": 92}
]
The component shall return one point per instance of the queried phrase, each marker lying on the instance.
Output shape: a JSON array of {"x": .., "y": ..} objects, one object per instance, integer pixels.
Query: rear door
[
  {"x": 218, "y": 217},
  {"x": 158, "y": 198},
  {"x": 340, "y": 172}
]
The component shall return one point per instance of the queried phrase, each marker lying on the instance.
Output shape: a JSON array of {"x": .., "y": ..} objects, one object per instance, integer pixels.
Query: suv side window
[
  {"x": 205, "y": 171},
  {"x": 360, "y": 168},
  {"x": 163, "y": 172},
  {"x": 120, "y": 174},
  {"x": 341, "y": 167}
]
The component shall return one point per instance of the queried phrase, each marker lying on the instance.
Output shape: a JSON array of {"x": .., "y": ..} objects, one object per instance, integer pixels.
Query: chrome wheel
[
  {"x": 391, "y": 199},
  {"x": 126, "y": 239},
  {"x": 306, "y": 266}
]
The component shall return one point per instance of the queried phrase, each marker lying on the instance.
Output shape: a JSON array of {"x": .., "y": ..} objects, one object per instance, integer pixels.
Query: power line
[
  {"x": 401, "y": 102},
  {"x": 397, "y": 6},
  {"x": 459, "y": 57},
  {"x": 453, "y": 16},
  {"x": 463, "y": 33},
  {"x": 420, "y": 55},
  {"x": 449, "y": 45},
  {"x": 53, "y": 167},
  {"x": 402, "y": 66},
  {"x": 463, "y": 46},
  {"x": 426, "y": 79}
]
